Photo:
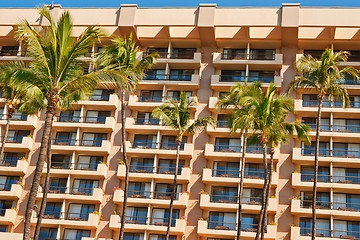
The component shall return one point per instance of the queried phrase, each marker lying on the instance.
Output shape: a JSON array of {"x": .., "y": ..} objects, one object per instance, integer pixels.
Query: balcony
[
  {"x": 306, "y": 155},
  {"x": 253, "y": 179},
  {"x": 83, "y": 146},
  {"x": 298, "y": 233},
  {"x": 10, "y": 191},
  {"x": 19, "y": 143},
  {"x": 151, "y": 225},
  {"x": 349, "y": 211},
  {"x": 14, "y": 166},
  {"x": 346, "y": 184},
  {"x": 143, "y": 103},
  {"x": 90, "y": 171},
  {"x": 12, "y": 236},
  {"x": 147, "y": 125},
  {"x": 353, "y": 59},
  {"x": 156, "y": 148},
  {"x": 188, "y": 81},
  {"x": 228, "y": 151},
  {"x": 222, "y": 82},
  {"x": 88, "y": 195},
  {"x": 179, "y": 59},
  {"x": 101, "y": 123},
  {"x": 210, "y": 229},
  {"x": 335, "y": 107},
  {"x": 249, "y": 205},
  {"x": 9, "y": 217},
  {"x": 30, "y": 122},
  {"x": 13, "y": 55},
  {"x": 153, "y": 198},
  {"x": 146, "y": 174},
  {"x": 70, "y": 220},
  {"x": 276, "y": 60},
  {"x": 102, "y": 102}
]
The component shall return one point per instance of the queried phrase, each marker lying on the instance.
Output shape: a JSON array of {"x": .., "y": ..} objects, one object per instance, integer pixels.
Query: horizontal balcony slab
[
  {"x": 91, "y": 223},
  {"x": 252, "y": 207},
  {"x": 192, "y": 83},
  {"x": 30, "y": 123},
  {"x": 108, "y": 125},
  {"x": 183, "y": 177},
  {"x": 99, "y": 172},
  {"x": 25, "y": 145},
  {"x": 18, "y": 168},
  {"x": 186, "y": 152},
  {"x": 181, "y": 202},
  {"x": 219, "y": 62},
  {"x": 304, "y": 107},
  {"x": 149, "y": 104},
  {"x": 217, "y": 84},
  {"x": 95, "y": 197},
  {"x": 146, "y": 128},
  {"x": 12, "y": 236},
  {"x": 103, "y": 149},
  {"x": 203, "y": 230},
  {"x": 208, "y": 178},
  {"x": 14, "y": 193},
  {"x": 9, "y": 217},
  {"x": 178, "y": 229},
  {"x": 111, "y": 104}
]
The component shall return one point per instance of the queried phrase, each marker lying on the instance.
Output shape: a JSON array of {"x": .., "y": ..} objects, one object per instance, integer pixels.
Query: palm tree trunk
[
  {"x": 241, "y": 185},
  {"x": 50, "y": 112},
  {"x": 46, "y": 190},
  {"x": 3, "y": 140},
  {"x": 174, "y": 188},
  {"x": 268, "y": 187},
  {"x": 266, "y": 175},
  {"x": 127, "y": 168},
  {"x": 316, "y": 169}
]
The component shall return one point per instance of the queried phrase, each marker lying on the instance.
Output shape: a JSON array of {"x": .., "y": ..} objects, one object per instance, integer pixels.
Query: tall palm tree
[
  {"x": 325, "y": 77},
  {"x": 120, "y": 60},
  {"x": 176, "y": 114},
  {"x": 57, "y": 76},
  {"x": 17, "y": 98},
  {"x": 241, "y": 120},
  {"x": 270, "y": 129}
]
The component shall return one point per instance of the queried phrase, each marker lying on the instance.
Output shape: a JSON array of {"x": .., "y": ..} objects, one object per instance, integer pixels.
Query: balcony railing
[
  {"x": 151, "y": 195},
  {"x": 98, "y": 97},
  {"x": 152, "y": 169},
  {"x": 149, "y": 221},
  {"x": 71, "y": 190},
  {"x": 3, "y": 211},
  {"x": 147, "y": 121},
  {"x": 74, "y": 142},
  {"x": 331, "y": 233},
  {"x": 332, "y": 179},
  {"x": 232, "y": 78},
  {"x": 227, "y": 148},
  {"x": 236, "y": 173},
  {"x": 168, "y": 77},
  {"x": 223, "y": 124},
  {"x": 10, "y": 161},
  {"x": 333, "y": 104},
  {"x": 155, "y": 145},
  {"x": 66, "y": 216},
  {"x": 344, "y": 153},
  {"x": 246, "y": 227},
  {"x": 75, "y": 119},
  {"x": 14, "y": 139},
  {"x": 150, "y": 99},
  {"x": 234, "y": 199},
  {"x": 173, "y": 55},
  {"x": 6, "y": 186},
  {"x": 344, "y": 206},
  {"x": 335, "y": 127},
  {"x": 247, "y": 56},
  {"x": 75, "y": 166}
]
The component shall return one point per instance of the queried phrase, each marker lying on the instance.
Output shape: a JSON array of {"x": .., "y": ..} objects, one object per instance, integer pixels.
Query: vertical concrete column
[
  {"x": 156, "y": 161},
  {"x": 73, "y": 160}
]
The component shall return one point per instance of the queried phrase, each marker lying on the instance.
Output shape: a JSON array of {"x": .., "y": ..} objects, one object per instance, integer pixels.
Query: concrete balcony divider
[
  {"x": 182, "y": 201},
  {"x": 205, "y": 203},
  {"x": 20, "y": 168},
  {"x": 178, "y": 229},
  {"x": 91, "y": 223},
  {"x": 183, "y": 177},
  {"x": 14, "y": 193},
  {"x": 9, "y": 217},
  {"x": 203, "y": 230}
]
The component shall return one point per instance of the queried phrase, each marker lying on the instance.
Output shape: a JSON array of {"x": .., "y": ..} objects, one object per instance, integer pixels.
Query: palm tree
[
  {"x": 241, "y": 120},
  {"x": 270, "y": 129},
  {"x": 326, "y": 78},
  {"x": 176, "y": 114},
  {"x": 17, "y": 98},
  {"x": 57, "y": 77},
  {"x": 120, "y": 60}
]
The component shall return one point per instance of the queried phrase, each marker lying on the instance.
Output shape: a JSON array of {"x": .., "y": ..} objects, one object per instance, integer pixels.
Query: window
[
  {"x": 142, "y": 165},
  {"x": 5, "y": 204},
  {"x": 183, "y": 53},
  {"x": 53, "y": 210},
  {"x": 84, "y": 186},
  {"x": 348, "y": 150},
  {"x": 93, "y": 139},
  {"x": 133, "y": 236},
  {"x": 307, "y": 174},
  {"x": 76, "y": 234},
  {"x": 229, "y": 53},
  {"x": 97, "y": 116},
  {"x": 169, "y": 142},
  {"x": 223, "y": 120},
  {"x": 324, "y": 149},
  {"x": 254, "y": 171},
  {"x": 101, "y": 95},
  {"x": 9, "y": 50},
  {"x": 80, "y": 212},
  {"x": 175, "y": 95},
  {"x": 346, "y": 175},
  {"x": 139, "y": 190},
  {"x": 57, "y": 185},
  {"x": 167, "y": 166},
  {"x": 223, "y": 221},
  {"x": 48, "y": 233},
  {"x": 7, "y": 181},
  {"x": 165, "y": 190},
  {"x": 181, "y": 74},
  {"x": 263, "y": 76},
  {"x": 262, "y": 54},
  {"x": 162, "y": 52},
  {"x": 136, "y": 215},
  {"x": 232, "y": 75},
  {"x": 61, "y": 161},
  {"x": 151, "y": 96},
  {"x": 3, "y": 228},
  {"x": 144, "y": 141},
  {"x": 88, "y": 162},
  {"x": 322, "y": 227},
  {"x": 252, "y": 196},
  {"x": 70, "y": 116},
  {"x": 227, "y": 145},
  {"x": 19, "y": 116},
  {"x": 65, "y": 138},
  {"x": 145, "y": 118},
  {"x": 224, "y": 194},
  {"x": 160, "y": 237},
  {"x": 160, "y": 217},
  {"x": 11, "y": 159},
  {"x": 156, "y": 74},
  {"x": 226, "y": 169},
  {"x": 16, "y": 136},
  {"x": 322, "y": 200}
]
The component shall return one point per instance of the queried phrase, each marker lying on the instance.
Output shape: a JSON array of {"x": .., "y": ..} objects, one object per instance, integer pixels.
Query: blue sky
[{"x": 177, "y": 3}]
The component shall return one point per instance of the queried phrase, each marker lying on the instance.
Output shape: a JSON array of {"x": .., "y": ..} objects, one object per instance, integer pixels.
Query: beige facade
[{"x": 203, "y": 51}]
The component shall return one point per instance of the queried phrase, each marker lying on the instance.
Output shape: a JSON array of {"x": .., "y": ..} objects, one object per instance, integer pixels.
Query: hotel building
[{"x": 204, "y": 51}]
